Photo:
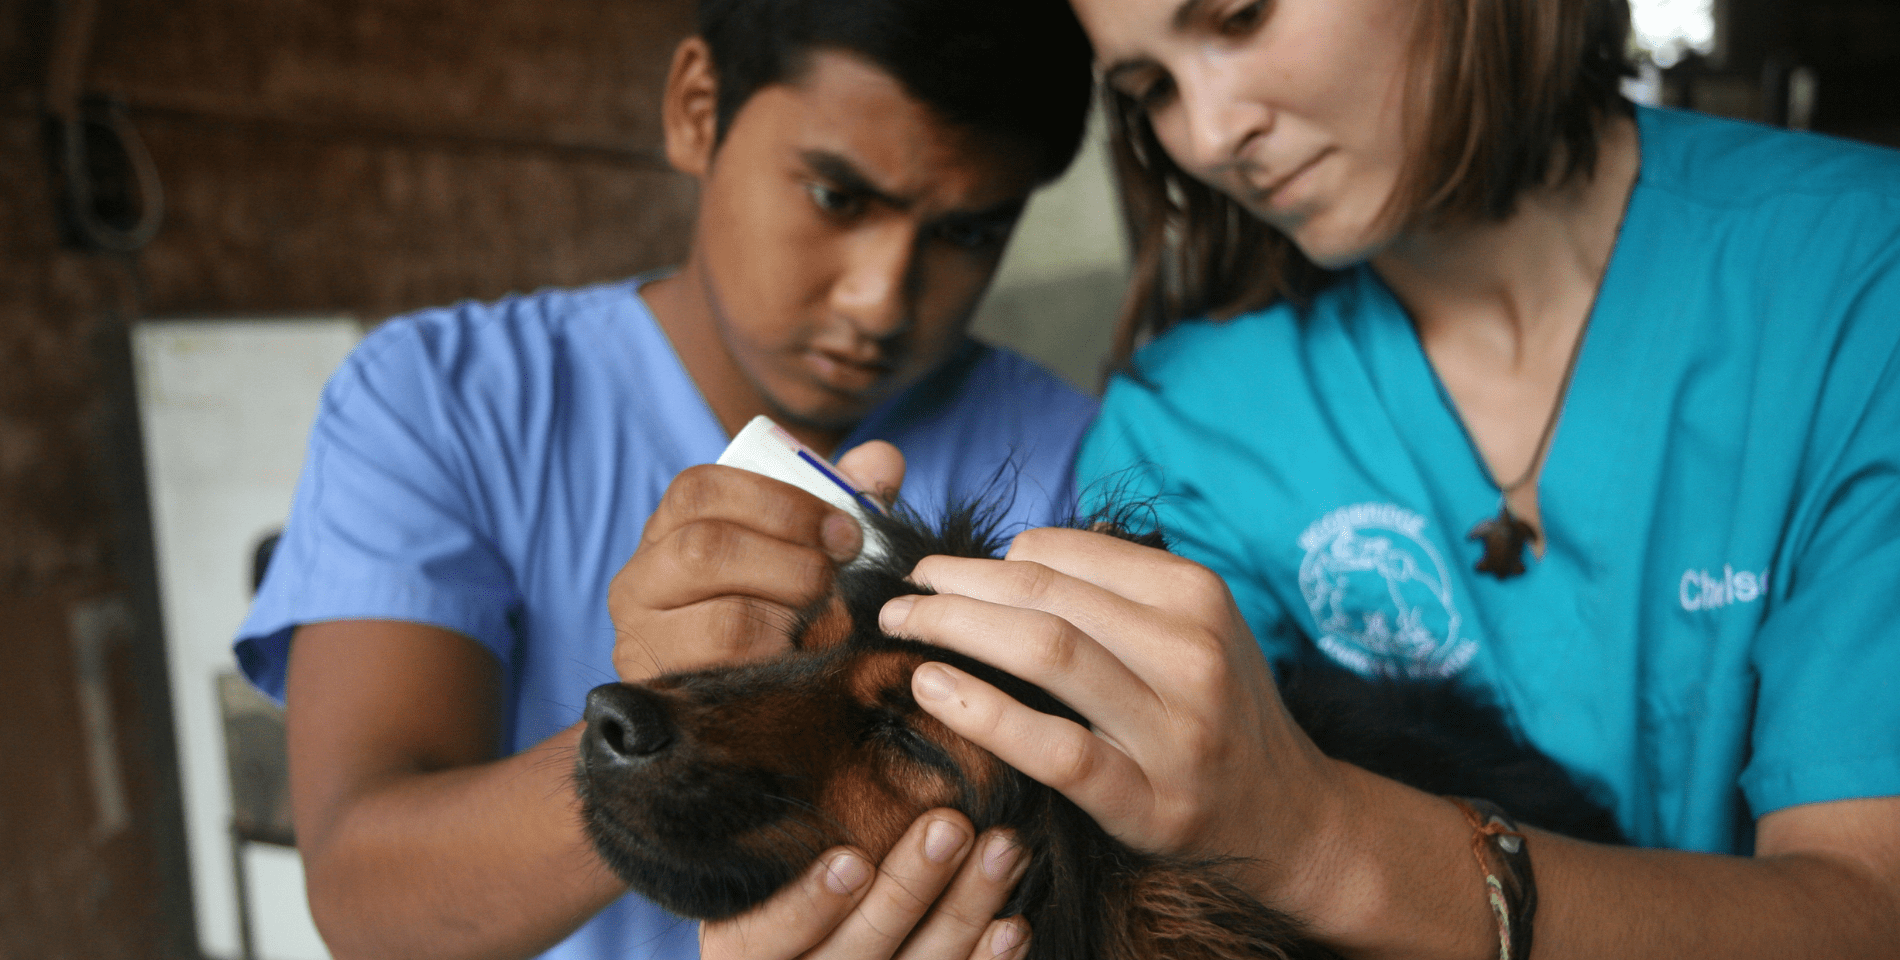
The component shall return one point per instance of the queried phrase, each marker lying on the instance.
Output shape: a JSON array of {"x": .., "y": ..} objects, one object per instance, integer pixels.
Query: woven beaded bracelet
[{"x": 1504, "y": 858}]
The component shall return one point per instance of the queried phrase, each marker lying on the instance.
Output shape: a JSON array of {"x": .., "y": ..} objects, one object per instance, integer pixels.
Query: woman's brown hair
[{"x": 1512, "y": 91}]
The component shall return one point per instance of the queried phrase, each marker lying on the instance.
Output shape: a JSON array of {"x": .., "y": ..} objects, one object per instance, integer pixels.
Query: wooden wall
[
  {"x": 363, "y": 156},
  {"x": 1855, "y": 47},
  {"x": 1852, "y": 47}
]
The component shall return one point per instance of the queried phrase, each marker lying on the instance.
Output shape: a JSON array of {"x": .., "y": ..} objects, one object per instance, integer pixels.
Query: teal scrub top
[{"x": 1714, "y": 631}]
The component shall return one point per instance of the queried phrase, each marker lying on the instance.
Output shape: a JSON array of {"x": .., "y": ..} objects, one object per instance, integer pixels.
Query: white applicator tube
[{"x": 764, "y": 447}]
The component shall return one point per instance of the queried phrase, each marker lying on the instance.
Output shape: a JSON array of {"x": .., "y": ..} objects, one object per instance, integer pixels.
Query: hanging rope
[{"x": 79, "y": 127}]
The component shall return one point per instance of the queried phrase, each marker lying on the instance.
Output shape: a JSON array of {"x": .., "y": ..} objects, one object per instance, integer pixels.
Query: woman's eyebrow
[
  {"x": 1114, "y": 73},
  {"x": 1185, "y": 13},
  {"x": 1180, "y": 21}
]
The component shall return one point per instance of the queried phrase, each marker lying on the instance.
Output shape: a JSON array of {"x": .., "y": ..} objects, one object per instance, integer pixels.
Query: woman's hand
[
  {"x": 727, "y": 561},
  {"x": 843, "y": 910},
  {"x": 1191, "y": 751}
]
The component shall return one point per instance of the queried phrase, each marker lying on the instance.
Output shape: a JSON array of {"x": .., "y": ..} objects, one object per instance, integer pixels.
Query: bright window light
[{"x": 1668, "y": 29}]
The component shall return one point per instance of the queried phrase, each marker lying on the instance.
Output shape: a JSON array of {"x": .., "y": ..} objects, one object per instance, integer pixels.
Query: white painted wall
[
  {"x": 226, "y": 408},
  {"x": 1057, "y": 292},
  {"x": 1072, "y": 226}
]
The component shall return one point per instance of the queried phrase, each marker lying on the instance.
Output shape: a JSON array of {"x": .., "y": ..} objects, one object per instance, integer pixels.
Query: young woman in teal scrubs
[{"x": 1483, "y": 374}]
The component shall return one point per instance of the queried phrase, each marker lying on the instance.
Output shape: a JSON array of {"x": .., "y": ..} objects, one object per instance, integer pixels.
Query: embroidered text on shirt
[{"x": 1700, "y": 590}]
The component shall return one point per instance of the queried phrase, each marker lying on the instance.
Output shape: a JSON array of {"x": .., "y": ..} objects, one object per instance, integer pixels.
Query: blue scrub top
[
  {"x": 1714, "y": 631},
  {"x": 488, "y": 468}
]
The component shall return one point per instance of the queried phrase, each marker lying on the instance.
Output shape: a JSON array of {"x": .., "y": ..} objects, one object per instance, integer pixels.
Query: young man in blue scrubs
[{"x": 478, "y": 474}]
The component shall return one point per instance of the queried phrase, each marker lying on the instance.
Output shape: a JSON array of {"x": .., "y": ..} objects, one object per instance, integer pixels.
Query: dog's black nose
[{"x": 625, "y": 724}]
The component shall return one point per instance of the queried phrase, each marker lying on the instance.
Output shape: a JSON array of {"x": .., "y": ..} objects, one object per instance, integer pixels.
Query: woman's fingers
[
  {"x": 1039, "y": 647},
  {"x": 1084, "y": 766},
  {"x": 1187, "y": 729},
  {"x": 1168, "y": 624},
  {"x": 1144, "y": 575}
]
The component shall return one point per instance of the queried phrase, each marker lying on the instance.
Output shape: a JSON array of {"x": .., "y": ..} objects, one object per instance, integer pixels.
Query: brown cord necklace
[{"x": 1506, "y": 535}]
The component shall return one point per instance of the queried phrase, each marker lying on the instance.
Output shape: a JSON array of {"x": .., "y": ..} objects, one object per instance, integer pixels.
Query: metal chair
[
  {"x": 259, "y": 765},
  {"x": 260, "y": 784}
]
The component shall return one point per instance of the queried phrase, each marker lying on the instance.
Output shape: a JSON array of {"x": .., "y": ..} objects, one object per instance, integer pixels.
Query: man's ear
[{"x": 689, "y": 111}]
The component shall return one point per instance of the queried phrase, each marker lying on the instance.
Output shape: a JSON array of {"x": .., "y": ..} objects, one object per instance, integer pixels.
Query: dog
[{"x": 709, "y": 790}]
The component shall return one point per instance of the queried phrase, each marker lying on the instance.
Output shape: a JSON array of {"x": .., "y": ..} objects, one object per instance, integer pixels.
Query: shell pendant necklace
[{"x": 1506, "y": 535}]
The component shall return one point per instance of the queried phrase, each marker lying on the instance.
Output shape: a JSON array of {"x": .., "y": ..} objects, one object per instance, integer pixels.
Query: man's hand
[
  {"x": 843, "y": 910},
  {"x": 728, "y": 561},
  {"x": 724, "y": 565}
]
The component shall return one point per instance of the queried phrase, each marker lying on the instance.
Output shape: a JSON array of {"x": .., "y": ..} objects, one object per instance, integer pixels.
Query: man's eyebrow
[{"x": 846, "y": 177}]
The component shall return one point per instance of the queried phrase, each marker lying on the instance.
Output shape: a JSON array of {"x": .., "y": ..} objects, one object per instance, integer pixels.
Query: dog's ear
[
  {"x": 1188, "y": 911},
  {"x": 825, "y": 626}
]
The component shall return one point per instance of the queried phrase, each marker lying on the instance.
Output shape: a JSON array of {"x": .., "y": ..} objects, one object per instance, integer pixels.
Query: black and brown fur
[{"x": 707, "y": 791}]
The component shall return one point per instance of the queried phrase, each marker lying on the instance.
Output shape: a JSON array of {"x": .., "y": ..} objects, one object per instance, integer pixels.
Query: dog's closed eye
[{"x": 914, "y": 746}]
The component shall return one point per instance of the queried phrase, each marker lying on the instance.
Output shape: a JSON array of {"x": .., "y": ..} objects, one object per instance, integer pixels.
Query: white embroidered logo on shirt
[
  {"x": 1380, "y": 593},
  {"x": 1701, "y": 590}
]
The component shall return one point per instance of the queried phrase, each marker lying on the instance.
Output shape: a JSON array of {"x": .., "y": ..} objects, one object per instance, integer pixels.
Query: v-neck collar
[
  {"x": 655, "y": 351},
  {"x": 1580, "y": 470}
]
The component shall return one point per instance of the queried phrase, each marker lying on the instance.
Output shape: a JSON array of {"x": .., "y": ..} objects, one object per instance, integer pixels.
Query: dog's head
[{"x": 709, "y": 790}]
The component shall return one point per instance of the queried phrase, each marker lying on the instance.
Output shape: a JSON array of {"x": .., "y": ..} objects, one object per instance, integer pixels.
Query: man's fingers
[
  {"x": 1005, "y": 939},
  {"x": 935, "y": 874},
  {"x": 910, "y": 879},
  {"x": 716, "y": 558},
  {"x": 877, "y": 468},
  {"x": 725, "y": 629},
  {"x": 962, "y": 923},
  {"x": 776, "y": 509},
  {"x": 1059, "y": 753},
  {"x": 713, "y": 591},
  {"x": 796, "y": 918},
  {"x": 724, "y": 567}
]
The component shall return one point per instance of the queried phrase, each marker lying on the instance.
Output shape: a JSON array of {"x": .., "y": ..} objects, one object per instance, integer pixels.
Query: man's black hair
[{"x": 1018, "y": 68}]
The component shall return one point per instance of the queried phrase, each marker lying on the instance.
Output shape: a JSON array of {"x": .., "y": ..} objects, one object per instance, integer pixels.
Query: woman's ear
[{"x": 689, "y": 111}]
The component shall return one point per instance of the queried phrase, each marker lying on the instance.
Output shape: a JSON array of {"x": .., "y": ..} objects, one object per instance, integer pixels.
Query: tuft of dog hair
[{"x": 709, "y": 790}]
